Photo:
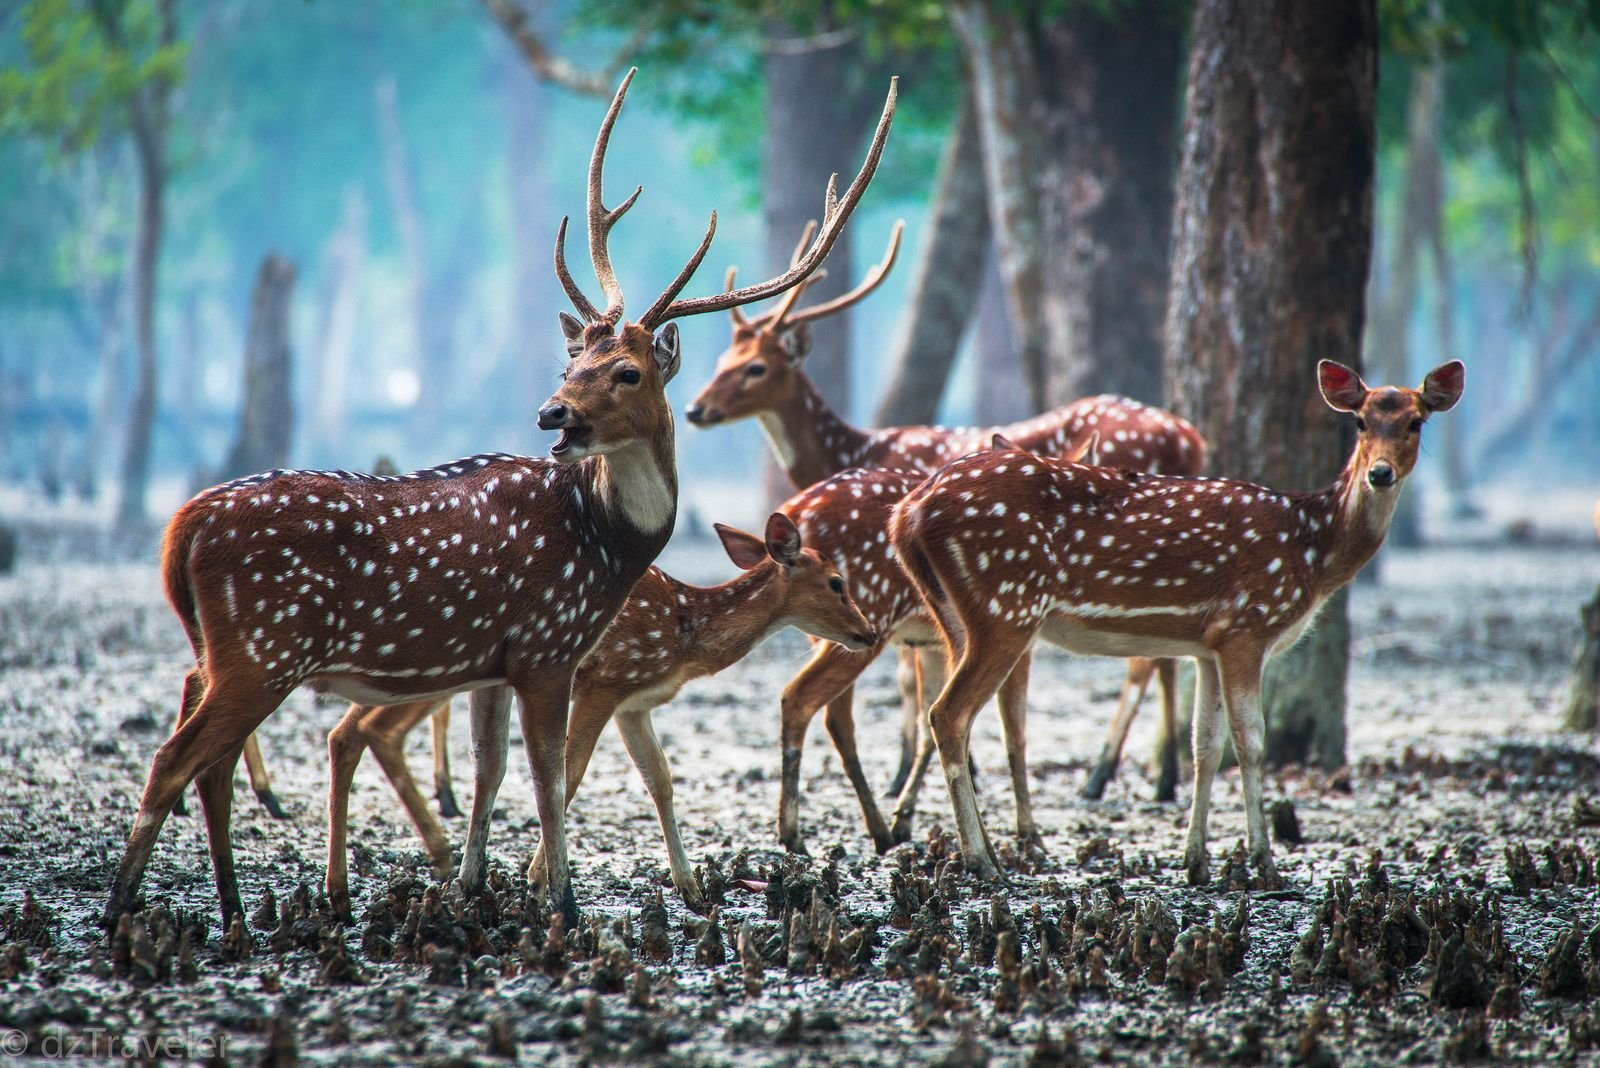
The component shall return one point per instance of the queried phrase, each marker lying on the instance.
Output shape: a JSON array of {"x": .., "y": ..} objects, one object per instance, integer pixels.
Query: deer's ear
[
  {"x": 1342, "y": 388},
  {"x": 1442, "y": 388},
  {"x": 1002, "y": 443},
  {"x": 1088, "y": 452},
  {"x": 795, "y": 341},
  {"x": 665, "y": 350},
  {"x": 783, "y": 539},
  {"x": 572, "y": 330},
  {"x": 745, "y": 550}
]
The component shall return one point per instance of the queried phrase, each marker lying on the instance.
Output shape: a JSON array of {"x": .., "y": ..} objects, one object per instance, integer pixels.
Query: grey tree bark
[
  {"x": 533, "y": 355},
  {"x": 149, "y": 109},
  {"x": 942, "y": 296},
  {"x": 1272, "y": 238},
  {"x": 1001, "y": 395},
  {"x": 338, "y": 304},
  {"x": 266, "y": 413}
]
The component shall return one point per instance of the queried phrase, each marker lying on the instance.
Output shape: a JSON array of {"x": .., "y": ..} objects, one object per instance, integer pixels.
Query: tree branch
[{"x": 546, "y": 65}]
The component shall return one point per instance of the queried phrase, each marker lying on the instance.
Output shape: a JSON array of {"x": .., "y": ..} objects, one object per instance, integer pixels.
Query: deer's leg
[
  {"x": 193, "y": 688},
  {"x": 830, "y": 671},
  {"x": 1014, "y": 723},
  {"x": 491, "y": 720},
  {"x": 543, "y": 708},
  {"x": 216, "y": 729},
  {"x": 442, "y": 790},
  {"x": 1207, "y": 757},
  {"x": 639, "y": 735},
  {"x": 1133, "y": 688},
  {"x": 977, "y": 676},
  {"x": 930, "y": 683},
  {"x": 260, "y": 781},
  {"x": 215, "y": 786},
  {"x": 841, "y": 723},
  {"x": 1167, "y": 741},
  {"x": 345, "y": 746},
  {"x": 385, "y": 728},
  {"x": 911, "y": 717},
  {"x": 1241, "y": 693},
  {"x": 585, "y": 723}
]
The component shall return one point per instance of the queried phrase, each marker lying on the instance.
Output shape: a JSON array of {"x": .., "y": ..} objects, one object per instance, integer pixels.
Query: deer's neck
[
  {"x": 1352, "y": 519},
  {"x": 725, "y": 622},
  {"x": 638, "y": 484},
  {"x": 811, "y": 440}
]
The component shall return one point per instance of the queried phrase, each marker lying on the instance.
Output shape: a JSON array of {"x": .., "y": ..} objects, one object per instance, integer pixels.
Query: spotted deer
[
  {"x": 762, "y": 376},
  {"x": 667, "y": 634},
  {"x": 1006, "y": 547},
  {"x": 493, "y": 575}
]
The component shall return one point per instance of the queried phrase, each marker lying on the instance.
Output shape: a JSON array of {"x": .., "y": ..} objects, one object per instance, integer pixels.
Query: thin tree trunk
[
  {"x": 533, "y": 356},
  {"x": 140, "y": 427},
  {"x": 1582, "y": 712},
  {"x": 1001, "y": 395},
  {"x": 1000, "y": 81},
  {"x": 1110, "y": 93},
  {"x": 942, "y": 296},
  {"x": 266, "y": 413},
  {"x": 111, "y": 317},
  {"x": 342, "y": 260},
  {"x": 1272, "y": 239}
]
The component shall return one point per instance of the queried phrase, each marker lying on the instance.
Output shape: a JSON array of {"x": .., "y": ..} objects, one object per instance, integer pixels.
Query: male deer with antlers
[
  {"x": 1006, "y": 547},
  {"x": 493, "y": 575},
  {"x": 667, "y": 634},
  {"x": 762, "y": 375}
]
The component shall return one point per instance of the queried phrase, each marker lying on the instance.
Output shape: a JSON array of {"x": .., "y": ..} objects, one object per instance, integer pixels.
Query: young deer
[
  {"x": 493, "y": 575},
  {"x": 667, "y": 634},
  {"x": 1006, "y": 547},
  {"x": 762, "y": 375}
]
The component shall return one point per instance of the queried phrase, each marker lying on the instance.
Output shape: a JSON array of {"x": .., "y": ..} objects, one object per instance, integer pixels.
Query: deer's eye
[
  {"x": 755, "y": 370},
  {"x": 836, "y": 584},
  {"x": 1361, "y": 424},
  {"x": 1416, "y": 426},
  {"x": 630, "y": 376}
]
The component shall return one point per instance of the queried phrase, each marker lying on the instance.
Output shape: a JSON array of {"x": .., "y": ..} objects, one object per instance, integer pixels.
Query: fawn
[{"x": 1006, "y": 547}]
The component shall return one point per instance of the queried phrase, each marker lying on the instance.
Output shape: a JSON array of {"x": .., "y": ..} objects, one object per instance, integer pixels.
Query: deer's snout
[
  {"x": 554, "y": 416},
  {"x": 700, "y": 415},
  {"x": 1381, "y": 474}
]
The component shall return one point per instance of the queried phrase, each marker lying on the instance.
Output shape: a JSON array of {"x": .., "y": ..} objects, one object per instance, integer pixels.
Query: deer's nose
[
  {"x": 700, "y": 415},
  {"x": 867, "y": 638},
  {"x": 1381, "y": 474},
  {"x": 553, "y": 416}
]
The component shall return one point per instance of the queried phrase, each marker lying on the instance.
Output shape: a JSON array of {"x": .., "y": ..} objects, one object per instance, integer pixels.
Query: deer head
[
  {"x": 759, "y": 371},
  {"x": 613, "y": 388},
  {"x": 1388, "y": 419},
  {"x": 806, "y": 583}
]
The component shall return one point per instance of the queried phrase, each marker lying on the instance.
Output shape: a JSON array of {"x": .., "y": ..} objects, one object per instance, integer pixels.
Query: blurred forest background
[{"x": 363, "y": 196}]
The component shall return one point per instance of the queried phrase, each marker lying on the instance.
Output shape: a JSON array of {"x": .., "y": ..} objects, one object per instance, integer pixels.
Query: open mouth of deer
[{"x": 572, "y": 437}]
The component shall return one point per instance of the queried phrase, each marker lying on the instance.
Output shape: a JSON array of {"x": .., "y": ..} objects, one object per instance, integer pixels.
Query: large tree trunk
[
  {"x": 266, "y": 413},
  {"x": 1001, "y": 396},
  {"x": 942, "y": 296},
  {"x": 1001, "y": 84},
  {"x": 1110, "y": 89},
  {"x": 140, "y": 427},
  {"x": 342, "y": 260},
  {"x": 1582, "y": 712},
  {"x": 1272, "y": 239}
]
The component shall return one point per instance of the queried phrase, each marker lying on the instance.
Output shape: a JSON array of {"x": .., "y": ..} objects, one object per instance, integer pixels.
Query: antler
[
  {"x": 872, "y": 281},
  {"x": 601, "y": 220},
  {"x": 794, "y": 258},
  {"x": 836, "y": 213}
]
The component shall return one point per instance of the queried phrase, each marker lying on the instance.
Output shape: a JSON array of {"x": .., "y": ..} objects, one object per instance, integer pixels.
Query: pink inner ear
[
  {"x": 743, "y": 549},
  {"x": 1341, "y": 386}
]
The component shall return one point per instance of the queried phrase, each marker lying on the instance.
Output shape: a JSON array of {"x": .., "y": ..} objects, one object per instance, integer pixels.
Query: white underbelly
[
  {"x": 1097, "y": 641},
  {"x": 653, "y": 696},
  {"x": 919, "y": 630},
  {"x": 362, "y": 690}
]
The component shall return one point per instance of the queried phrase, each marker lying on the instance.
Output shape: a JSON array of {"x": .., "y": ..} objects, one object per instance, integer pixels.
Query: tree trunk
[
  {"x": 536, "y": 295},
  {"x": 1272, "y": 238},
  {"x": 342, "y": 260},
  {"x": 408, "y": 225},
  {"x": 1001, "y": 396},
  {"x": 140, "y": 428},
  {"x": 942, "y": 296},
  {"x": 266, "y": 413},
  {"x": 819, "y": 108},
  {"x": 109, "y": 364},
  {"x": 1110, "y": 92},
  {"x": 1001, "y": 85},
  {"x": 1583, "y": 693}
]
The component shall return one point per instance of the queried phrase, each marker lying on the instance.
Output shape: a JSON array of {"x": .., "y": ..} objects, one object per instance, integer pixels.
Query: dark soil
[{"x": 1442, "y": 906}]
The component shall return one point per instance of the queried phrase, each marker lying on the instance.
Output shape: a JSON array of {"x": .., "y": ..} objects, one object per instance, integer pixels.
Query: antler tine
[
  {"x": 602, "y": 219},
  {"x": 833, "y": 220},
  {"x": 805, "y": 239},
  {"x": 873, "y": 279},
  {"x": 727, "y": 287},
  {"x": 585, "y": 309}
]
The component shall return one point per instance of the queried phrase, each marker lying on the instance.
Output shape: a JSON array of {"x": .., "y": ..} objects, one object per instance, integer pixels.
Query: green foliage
[{"x": 74, "y": 82}]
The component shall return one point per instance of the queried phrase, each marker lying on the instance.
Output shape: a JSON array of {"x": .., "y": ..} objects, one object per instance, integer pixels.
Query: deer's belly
[
  {"x": 1076, "y": 636},
  {"x": 364, "y": 690},
  {"x": 917, "y": 631}
]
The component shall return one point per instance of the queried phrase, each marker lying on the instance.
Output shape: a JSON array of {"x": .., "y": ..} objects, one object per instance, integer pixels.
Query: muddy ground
[{"x": 1443, "y": 904}]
